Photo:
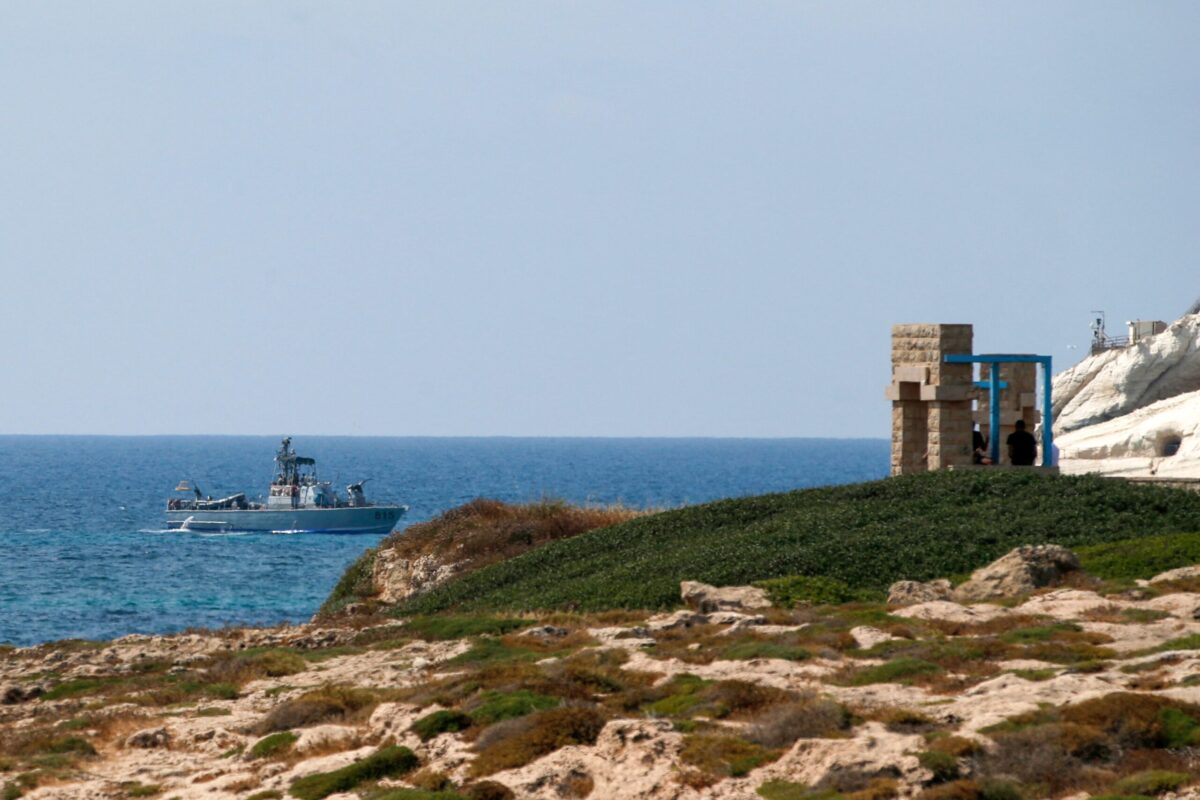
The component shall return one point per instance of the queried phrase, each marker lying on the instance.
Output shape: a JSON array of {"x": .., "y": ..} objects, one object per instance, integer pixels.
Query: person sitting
[
  {"x": 981, "y": 455},
  {"x": 1022, "y": 447}
]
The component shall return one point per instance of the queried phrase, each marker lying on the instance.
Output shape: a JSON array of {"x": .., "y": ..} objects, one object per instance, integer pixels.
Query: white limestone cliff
[
  {"x": 1134, "y": 411},
  {"x": 1114, "y": 383}
]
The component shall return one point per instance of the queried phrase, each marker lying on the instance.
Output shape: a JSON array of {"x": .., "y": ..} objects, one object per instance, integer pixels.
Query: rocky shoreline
[{"x": 730, "y": 697}]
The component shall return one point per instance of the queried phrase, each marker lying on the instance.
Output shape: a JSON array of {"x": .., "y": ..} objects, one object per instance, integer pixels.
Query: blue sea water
[{"x": 83, "y": 552}]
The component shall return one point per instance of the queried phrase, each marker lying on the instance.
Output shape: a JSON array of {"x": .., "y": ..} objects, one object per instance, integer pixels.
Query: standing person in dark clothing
[
  {"x": 981, "y": 447},
  {"x": 1022, "y": 447}
]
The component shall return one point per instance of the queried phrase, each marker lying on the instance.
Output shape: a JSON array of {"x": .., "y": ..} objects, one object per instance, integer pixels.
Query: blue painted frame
[{"x": 994, "y": 385}]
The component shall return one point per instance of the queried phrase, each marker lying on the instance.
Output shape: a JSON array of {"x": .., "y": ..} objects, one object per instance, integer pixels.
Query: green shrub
[
  {"x": 440, "y": 722},
  {"x": 1000, "y": 790},
  {"x": 1189, "y": 642},
  {"x": 77, "y": 687},
  {"x": 273, "y": 744},
  {"x": 135, "y": 789},
  {"x": 678, "y": 697},
  {"x": 444, "y": 628},
  {"x": 495, "y": 706},
  {"x": 269, "y": 794},
  {"x": 417, "y": 794},
  {"x": 943, "y": 765},
  {"x": 1151, "y": 782},
  {"x": 71, "y": 744},
  {"x": 744, "y": 651},
  {"x": 784, "y": 790},
  {"x": 491, "y": 651},
  {"x": 815, "y": 590},
  {"x": 388, "y": 762},
  {"x": 900, "y": 670}
]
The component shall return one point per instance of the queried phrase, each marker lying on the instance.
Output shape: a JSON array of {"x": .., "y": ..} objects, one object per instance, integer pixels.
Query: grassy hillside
[
  {"x": 867, "y": 535},
  {"x": 473, "y": 535}
]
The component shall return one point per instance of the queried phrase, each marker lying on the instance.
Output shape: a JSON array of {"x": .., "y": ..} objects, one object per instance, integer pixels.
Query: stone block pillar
[{"x": 931, "y": 400}]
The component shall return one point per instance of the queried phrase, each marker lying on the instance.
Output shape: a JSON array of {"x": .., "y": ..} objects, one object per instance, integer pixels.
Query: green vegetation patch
[
  {"x": 1151, "y": 782},
  {"x": 444, "y": 628},
  {"x": 273, "y": 744},
  {"x": 942, "y": 765},
  {"x": 930, "y": 525},
  {"x": 744, "y": 651},
  {"x": 1143, "y": 557},
  {"x": 901, "y": 670},
  {"x": 1189, "y": 642},
  {"x": 439, "y": 722},
  {"x": 492, "y": 651},
  {"x": 783, "y": 790},
  {"x": 495, "y": 706},
  {"x": 816, "y": 590},
  {"x": 319, "y": 705},
  {"x": 356, "y": 584},
  {"x": 388, "y": 762},
  {"x": 723, "y": 756},
  {"x": 517, "y": 742}
]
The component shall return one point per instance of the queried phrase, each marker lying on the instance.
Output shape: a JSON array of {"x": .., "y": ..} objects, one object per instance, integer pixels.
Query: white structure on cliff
[{"x": 1134, "y": 410}]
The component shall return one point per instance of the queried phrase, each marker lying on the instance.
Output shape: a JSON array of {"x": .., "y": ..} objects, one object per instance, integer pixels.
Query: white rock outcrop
[
  {"x": 1138, "y": 443},
  {"x": 1114, "y": 383},
  {"x": 1018, "y": 573},
  {"x": 705, "y": 599},
  {"x": 397, "y": 578},
  {"x": 908, "y": 593}
]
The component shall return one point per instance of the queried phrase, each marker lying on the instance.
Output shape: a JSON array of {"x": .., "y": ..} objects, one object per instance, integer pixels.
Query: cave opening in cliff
[{"x": 1168, "y": 444}]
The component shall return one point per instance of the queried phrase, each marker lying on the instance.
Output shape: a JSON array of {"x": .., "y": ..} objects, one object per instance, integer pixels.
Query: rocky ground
[{"x": 1074, "y": 689}]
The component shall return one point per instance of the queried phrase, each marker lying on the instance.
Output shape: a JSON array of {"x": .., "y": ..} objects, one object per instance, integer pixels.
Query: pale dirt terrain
[{"x": 199, "y": 748}]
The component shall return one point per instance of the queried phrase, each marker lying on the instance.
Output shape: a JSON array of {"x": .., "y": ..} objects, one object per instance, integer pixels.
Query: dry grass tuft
[
  {"x": 717, "y": 757},
  {"x": 809, "y": 717},
  {"x": 486, "y": 531},
  {"x": 516, "y": 742},
  {"x": 319, "y": 705}
]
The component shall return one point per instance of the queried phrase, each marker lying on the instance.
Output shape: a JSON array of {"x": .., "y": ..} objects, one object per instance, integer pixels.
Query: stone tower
[{"x": 931, "y": 400}]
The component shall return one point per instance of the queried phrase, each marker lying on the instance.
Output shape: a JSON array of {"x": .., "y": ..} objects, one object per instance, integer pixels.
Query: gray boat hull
[{"x": 367, "y": 519}]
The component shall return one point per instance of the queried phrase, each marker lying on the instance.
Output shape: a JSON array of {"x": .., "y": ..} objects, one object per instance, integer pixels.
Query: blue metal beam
[{"x": 993, "y": 386}]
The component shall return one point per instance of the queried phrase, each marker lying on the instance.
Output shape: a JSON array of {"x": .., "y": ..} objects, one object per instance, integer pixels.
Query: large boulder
[
  {"x": 706, "y": 599},
  {"x": 1020, "y": 572},
  {"x": 908, "y": 593},
  {"x": 149, "y": 739}
]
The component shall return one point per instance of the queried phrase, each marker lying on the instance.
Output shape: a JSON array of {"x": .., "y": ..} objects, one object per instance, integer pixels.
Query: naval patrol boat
[{"x": 297, "y": 503}]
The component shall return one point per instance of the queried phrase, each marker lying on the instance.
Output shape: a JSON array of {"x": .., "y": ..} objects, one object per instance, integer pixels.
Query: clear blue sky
[{"x": 561, "y": 218}]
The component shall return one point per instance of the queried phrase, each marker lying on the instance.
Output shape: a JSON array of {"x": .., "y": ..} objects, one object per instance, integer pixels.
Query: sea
[{"x": 84, "y": 552}]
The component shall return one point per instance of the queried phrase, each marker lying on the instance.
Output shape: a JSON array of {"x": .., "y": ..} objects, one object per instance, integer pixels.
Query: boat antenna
[{"x": 196, "y": 489}]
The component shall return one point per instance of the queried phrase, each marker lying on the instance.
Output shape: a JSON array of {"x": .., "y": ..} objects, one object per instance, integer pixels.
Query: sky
[{"x": 570, "y": 218}]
